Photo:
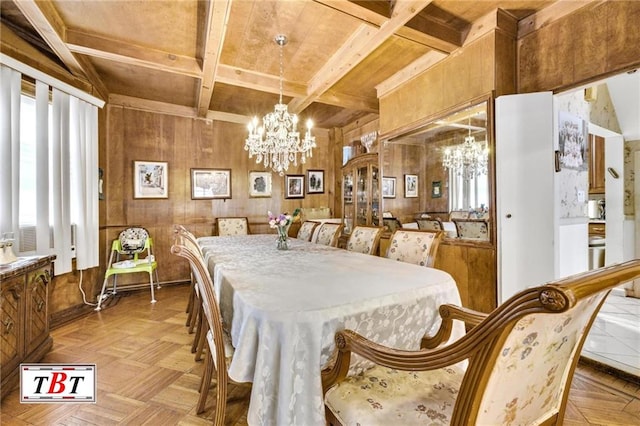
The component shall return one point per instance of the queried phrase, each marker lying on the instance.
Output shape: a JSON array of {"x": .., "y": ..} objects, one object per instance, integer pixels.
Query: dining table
[{"x": 282, "y": 309}]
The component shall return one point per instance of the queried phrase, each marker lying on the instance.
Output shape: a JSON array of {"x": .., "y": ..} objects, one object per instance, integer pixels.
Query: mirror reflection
[{"x": 442, "y": 170}]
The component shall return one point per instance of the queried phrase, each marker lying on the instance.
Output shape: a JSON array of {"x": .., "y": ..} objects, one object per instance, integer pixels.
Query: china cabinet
[
  {"x": 24, "y": 319},
  {"x": 361, "y": 191}
]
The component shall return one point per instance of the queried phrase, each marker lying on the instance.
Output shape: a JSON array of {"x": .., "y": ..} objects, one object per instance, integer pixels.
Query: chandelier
[
  {"x": 469, "y": 159},
  {"x": 277, "y": 142}
]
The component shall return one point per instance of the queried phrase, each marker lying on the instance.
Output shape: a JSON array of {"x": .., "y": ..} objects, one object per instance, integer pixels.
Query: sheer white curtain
[{"x": 66, "y": 170}]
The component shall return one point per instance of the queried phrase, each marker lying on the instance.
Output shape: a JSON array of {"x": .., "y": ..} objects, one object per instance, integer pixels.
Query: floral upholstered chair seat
[
  {"x": 364, "y": 239},
  {"x": 430, "y": 224},
  {"x": 306, "y": 230},
  {"x": 519, "y": 361},
  {"x": 232, "y": 226},
  {"x": 329, "y": 233},
  {"x": 417, "y": 247},
  {"x": 384, "y": 396}
]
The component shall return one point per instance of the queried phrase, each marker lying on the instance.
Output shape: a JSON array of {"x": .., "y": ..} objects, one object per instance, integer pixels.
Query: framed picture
[
  {"x": 260, "y": 184},
  {"x": 294, "y": 186},
  {"x": 388, "y": 187},
  {"x": 208, "y": 184},
  {"x": 150, "y": 179},
  {"x": 315, "y": 181},
  {"x": 572, "y": 134},
  {"x": 436, "y": 189},
  {"x": 410, "y": 186}
]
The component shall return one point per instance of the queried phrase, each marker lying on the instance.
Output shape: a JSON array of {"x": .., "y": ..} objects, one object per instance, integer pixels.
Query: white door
[{"x": 525, "y": 206}]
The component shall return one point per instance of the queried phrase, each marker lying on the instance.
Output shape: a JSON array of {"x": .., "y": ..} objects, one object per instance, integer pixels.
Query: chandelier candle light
[
  {"x": 469, "y": 159},
  {"x": 277, "y": 142}
]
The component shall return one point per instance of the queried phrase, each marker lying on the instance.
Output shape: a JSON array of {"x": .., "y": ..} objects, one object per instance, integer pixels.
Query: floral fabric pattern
[
  {"x": 430, "y": 224},
  {"x": 384, "y": 396},
  {"x": 306, "y": 230},
  {"x": 539, "y": 348},
  {"x": 132, "y": 240},
  {"x": 363, "y": 239},
  {"x": 232, "y": 226},
  {"x": 472, "y": 229},
  {"x": 328, "y": 234},
  {"x": 411, "y": 247}
]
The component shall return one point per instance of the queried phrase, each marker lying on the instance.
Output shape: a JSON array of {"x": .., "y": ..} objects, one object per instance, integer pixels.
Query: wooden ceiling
[{"x": 218, "y": 59}]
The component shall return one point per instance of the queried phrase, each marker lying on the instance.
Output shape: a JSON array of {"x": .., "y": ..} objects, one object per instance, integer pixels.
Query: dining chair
[
  {"x": 391, "y": 223},
  {"x": 220, "y": 350},
  {"x": 472, "y": 228},
  {"x": 130, "y": 244},
  {"x": 414, "y": 246},
  {"x": 306, "y": 230},
  {"x": 364, "y": 239},
  {"x": 232, "y": 226},
  {"x": 433, "y": 224},
  {"x": 329, "y": 233},
  {"x": 514, "y": 366},
  {"x": 195, "y": 320}
]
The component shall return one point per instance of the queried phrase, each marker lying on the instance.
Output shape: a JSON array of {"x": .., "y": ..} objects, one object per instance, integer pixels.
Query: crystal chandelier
[
  {"x": 469, "y": 159},
  {"x": 277, "y": 142}
]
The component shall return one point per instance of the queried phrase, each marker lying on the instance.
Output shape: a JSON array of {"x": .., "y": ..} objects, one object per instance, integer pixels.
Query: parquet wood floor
[{"x": 147, "y": 374}]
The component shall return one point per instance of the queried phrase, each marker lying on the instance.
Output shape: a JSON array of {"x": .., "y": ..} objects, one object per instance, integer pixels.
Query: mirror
[{"x": 443, "y": 174}]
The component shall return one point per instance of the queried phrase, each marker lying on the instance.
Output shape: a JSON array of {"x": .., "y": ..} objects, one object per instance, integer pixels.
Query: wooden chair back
[
  {"x": 232, "y": 226},
  {"x": 434, "y": 224},
  {"x": 329, "y": 233},
  {"x": 415, "y": 246},
  {"x": 364, "y": 239},
  {"x": 521, "y": 359}
]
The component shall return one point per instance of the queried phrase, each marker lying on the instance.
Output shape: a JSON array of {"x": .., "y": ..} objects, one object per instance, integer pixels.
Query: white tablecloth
[{"x": 284, "y": 307}]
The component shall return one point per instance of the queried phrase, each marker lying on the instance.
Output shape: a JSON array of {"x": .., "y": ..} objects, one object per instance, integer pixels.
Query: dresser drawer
[{"x": 597, "y": 229}]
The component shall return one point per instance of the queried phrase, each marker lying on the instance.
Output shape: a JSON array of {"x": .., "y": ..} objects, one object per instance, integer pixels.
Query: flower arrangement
[{"x": 281, "y": 223}]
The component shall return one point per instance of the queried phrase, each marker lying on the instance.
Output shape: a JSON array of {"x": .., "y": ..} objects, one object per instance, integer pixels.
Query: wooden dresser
[{"x": 24, "y": 319}]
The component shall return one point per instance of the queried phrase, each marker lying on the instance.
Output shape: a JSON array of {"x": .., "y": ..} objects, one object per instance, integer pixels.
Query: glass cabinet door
[
  {"x": 362, "y": 207},
  {"x": 375, "y": 195},
  {"x": 348, "y": 206}
]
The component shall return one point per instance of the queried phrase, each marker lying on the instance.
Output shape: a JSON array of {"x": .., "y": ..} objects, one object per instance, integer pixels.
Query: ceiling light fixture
[
  {"x": 469, "y": 159},
  {"x": 277, "y": 143}
]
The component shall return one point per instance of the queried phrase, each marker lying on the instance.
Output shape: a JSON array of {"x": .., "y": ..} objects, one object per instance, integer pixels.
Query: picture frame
[
  {"x": 436, "y": 189},
  {"x": 150, "y": 179},
  {"x": 294, "y": 186},
  {"x": 260, "y": 184},
  {"x": 572, "y": 141},
  {"x": 315, "y": 181},
  {"x": 410, "y": 186},
  {"x": 388, "y": 187},
  {"x": 210, "y": 184}
]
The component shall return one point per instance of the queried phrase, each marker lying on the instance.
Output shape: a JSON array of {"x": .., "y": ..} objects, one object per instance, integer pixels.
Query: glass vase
[{"x": 283, "y": 240}]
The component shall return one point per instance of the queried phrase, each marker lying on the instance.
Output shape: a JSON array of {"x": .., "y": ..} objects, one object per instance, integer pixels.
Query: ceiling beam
[
  {"x": 47, "y": 22},
  {"x": 549, "y": 14},
  {"x": 361, "y": 43},
  {"x": 131, "y": 54},
  {"x": 215, "y": 30}
]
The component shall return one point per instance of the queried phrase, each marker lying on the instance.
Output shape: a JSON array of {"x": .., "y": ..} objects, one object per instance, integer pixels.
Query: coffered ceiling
[{"x": 218, "y": 59}]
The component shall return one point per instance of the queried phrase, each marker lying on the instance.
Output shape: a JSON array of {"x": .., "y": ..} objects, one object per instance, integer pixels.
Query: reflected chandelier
[
  {"x": 469, "y": 159},
  {"x": 277, "y": 143}
]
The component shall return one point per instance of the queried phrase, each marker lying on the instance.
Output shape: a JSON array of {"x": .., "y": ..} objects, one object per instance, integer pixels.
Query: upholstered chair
[
  {"x": 433, "y": 224},
  {"x": 417, "y": 247},
  {"x": 232, "y": 226},
  {"x": 472, "y": 228},
  {"x": 458, "y": 214},
  {"x": 328, "y": 234},
  {"x": 514, "y": 366},
  {"x": 306, "y": 230},
  {"x": 364, "y": 239}
]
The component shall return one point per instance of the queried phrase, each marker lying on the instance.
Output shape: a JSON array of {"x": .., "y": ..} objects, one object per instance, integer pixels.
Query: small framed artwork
[
  {"x": 209, "y": 184},
  {"x": 315, "y": 181},
  {"x": 260, "y": 184},
  {"x": 436, "y": 189},
  {"x": 388, "y": 187},
  {"x": 410, "y": 186},
  {"x": 150, "y": 179},
  {"x": 294, "y": 186}
]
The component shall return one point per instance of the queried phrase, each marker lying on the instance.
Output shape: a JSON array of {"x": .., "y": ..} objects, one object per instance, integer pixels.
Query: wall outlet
[{"x": 581, "y": 197}]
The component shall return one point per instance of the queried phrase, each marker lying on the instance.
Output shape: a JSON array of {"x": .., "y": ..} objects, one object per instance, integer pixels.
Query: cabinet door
[
  {"x": 347, "y": 202},
  {"x": 596, "y": 164},
  {"x": 37, "y": 322},
  {"x": 362, "y": 196},
  {"x": 375, "y": 196},
  {"x": 11, "y": 326}
]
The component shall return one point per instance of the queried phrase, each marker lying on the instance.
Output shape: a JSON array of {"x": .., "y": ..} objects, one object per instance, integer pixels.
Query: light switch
[{"x": 581, "y": 197}]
